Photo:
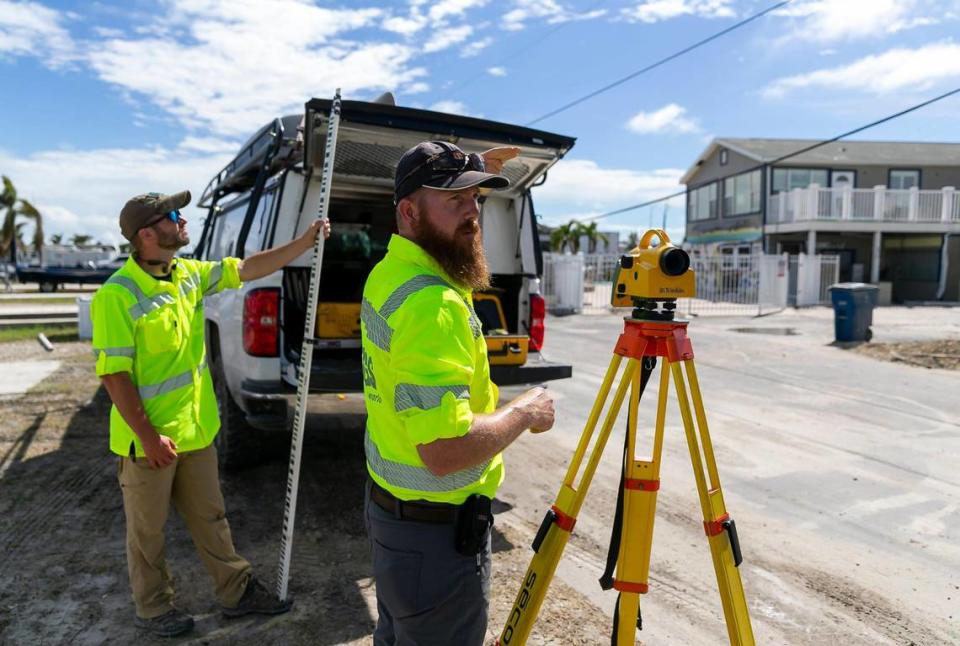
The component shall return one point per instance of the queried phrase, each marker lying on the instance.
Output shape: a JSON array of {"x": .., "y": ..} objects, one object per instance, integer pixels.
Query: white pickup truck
[{"x": 269, "y": 194}]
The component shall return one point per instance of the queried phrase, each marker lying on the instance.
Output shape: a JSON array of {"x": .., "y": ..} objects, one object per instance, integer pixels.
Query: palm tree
[
  {"x": 56, "y": 238},
  {"x": 80, "y": 239},
  {"x": 566, "y": 235},
  {"x": 592, "y": 234},
  {"x": 14, "y": 207},
  {"x": 29, "y": 211}
]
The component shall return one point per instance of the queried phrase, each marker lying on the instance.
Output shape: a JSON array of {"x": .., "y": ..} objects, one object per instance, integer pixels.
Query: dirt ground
[
  {"x": 63, "y": 576},
  {"x": 943, "y": 353},
  {"x": 844, "y": 491}
]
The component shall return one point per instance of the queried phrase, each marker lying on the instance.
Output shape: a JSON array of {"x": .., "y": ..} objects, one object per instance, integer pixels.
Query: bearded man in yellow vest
[
  {"x": 434, "y": 433},
  {"x": 148, "y": 337}
]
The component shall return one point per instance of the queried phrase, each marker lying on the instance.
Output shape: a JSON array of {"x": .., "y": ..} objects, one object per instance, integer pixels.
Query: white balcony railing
[{"x": 878, "y": 204}]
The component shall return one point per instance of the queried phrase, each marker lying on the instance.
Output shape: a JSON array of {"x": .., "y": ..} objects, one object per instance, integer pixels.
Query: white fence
[
  {"x": 747, "y": 285},
  {"x": 865, "y": 204},
  {"x": 810, "y": 279}
]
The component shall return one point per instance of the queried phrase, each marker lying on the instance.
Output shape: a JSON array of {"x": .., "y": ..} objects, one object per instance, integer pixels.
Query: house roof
[{"x": 860, "y": 153}]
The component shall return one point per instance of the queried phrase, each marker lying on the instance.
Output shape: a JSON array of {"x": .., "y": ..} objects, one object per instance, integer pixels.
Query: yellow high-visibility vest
[
  {"x": 153, "y": 329},
  {"x": 425, "y": 375}
]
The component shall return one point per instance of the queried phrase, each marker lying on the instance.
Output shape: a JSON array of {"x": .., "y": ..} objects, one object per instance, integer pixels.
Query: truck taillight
[
  {"x": 261, "y": 322},
  {"x": 538, "y": 310}
]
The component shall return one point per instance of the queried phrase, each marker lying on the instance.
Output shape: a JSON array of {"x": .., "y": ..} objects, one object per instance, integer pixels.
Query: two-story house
[{"x": 889, "y": 210}]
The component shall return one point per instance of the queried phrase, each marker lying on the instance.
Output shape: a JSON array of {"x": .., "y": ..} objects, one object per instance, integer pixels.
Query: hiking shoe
[
  {"x": 258, "y": 600},
  {"x": 171, "y": 623}
]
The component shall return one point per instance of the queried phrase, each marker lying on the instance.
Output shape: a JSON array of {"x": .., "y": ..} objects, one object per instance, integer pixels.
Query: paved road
[{"x": 842, "y": 472}]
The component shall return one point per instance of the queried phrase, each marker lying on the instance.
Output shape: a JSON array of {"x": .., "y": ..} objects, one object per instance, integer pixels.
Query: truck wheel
[
  {"x": 238, "y": 444},
  {"x": 48, "y": 286}
]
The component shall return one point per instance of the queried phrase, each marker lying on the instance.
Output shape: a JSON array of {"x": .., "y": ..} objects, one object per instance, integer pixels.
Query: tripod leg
[
  {"x": 558, "y": 522},
  {"x": 641, "y": 483},
  {"x": 719, "y": 527}
]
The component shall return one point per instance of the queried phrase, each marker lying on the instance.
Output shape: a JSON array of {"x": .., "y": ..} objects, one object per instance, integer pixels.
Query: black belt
[{"x": 425, "y": 512}]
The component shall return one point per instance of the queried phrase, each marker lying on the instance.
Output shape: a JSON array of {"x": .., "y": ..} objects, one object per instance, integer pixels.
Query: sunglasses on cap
[{"x": 448, "y": 161}]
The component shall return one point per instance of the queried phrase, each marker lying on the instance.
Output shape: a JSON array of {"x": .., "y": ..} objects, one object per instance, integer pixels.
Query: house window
[
  {"x": 702, "y": 203},
  {"x": 741, "y": 194},
  {"x": 726, "y": 257},
  {"x": 902, "y": 179},
  {"x": 787, "y": 179},
  {"x": 724, "y": 156}
]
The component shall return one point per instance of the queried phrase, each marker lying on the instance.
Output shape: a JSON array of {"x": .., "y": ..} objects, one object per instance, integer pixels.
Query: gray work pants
[{"x": 428, "y": 594}]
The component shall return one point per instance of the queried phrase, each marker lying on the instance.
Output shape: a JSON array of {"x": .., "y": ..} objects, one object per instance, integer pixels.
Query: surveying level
[
  {"x": 306, "y": 355},
  {"x": 649, "y": 280}
]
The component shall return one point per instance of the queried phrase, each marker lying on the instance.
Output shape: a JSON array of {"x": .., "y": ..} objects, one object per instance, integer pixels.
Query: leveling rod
[{"x": 306, "y": 353}]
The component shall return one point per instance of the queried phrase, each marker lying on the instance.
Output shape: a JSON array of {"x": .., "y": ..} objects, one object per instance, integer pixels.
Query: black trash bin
[{"x": 853, "y": 305}]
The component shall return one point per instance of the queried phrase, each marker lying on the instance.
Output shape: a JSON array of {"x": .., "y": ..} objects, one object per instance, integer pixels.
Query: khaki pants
[{"x": 192, "y": 482}]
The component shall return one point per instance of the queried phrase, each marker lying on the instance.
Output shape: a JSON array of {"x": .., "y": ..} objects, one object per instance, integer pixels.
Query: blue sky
[{"x": 104, "y": 100}]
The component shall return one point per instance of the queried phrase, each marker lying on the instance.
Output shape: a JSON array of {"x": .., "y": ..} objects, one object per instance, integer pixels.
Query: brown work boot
[
  {"x": 170, "y": 624},
  {"x": 258, "y": 600}
]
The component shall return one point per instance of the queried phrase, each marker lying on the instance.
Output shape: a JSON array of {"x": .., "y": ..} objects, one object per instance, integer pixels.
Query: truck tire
[
  {"x": 239, "y": 445},
  {"x": 48, "y": 286}
]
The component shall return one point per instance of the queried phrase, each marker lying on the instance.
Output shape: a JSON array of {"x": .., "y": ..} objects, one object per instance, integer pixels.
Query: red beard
[{"x": 461, "y": 257}]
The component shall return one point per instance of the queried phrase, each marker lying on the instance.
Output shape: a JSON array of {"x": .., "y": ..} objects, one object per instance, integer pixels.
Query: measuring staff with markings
[
  {"x": 148, "y": 338},
  {"x": 434, "y": 434}
]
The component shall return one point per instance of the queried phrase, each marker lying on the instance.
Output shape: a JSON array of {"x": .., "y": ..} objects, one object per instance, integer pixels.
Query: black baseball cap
[{"x": 444, "y": 167}]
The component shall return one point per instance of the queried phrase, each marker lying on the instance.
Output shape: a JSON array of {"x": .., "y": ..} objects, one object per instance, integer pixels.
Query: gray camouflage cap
[{"x": 145, "y": 209}]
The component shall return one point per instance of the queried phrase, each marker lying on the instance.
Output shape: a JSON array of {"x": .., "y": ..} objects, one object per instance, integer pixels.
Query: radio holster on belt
[{"x": 474, "y": 519}]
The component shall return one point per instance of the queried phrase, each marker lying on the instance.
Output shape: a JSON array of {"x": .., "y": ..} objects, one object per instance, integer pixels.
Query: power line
[
  {"x": 660, "y": 62},
  {"x": 789, "y": 155}
]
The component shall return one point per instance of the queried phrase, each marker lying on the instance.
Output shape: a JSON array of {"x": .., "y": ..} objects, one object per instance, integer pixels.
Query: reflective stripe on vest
[
  {"x": 170, "y": 384},
  {"x": 122, "y": 351},
  {"x": 379, "y": 331},
  {"x": 190, "y": 283},
  {"x": 213, "y": 280},
  {"x": 144, "y": 304},
  {"x": 425, "y": 397},
  {"x": 406, "y": 476}
]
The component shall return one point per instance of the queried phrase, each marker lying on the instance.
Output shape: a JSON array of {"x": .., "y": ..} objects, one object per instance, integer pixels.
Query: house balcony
[{"x": 864, "y": 209}]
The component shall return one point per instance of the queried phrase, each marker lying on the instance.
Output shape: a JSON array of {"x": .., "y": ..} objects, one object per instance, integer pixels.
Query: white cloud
[
  {"x": 31, "y": 29},
  {"x": 550, "y": 10},
  {"x": 230, "y": 67},
  {"x": 92, "y": 185},
  {"x": 893, "y": 70},
  {"x": 475, "y": 47},
  {"x": 406, "y": 26},
  {"x": 446, "y": 8},
  {"x": 668, "y": 119},
  {"x": 580, "y": 188},
  {"x": 496, "y": 71},
  {"x": 416, "y": 88},
  {"x": 836, "y": 20},
  {"x": 452, "y": 107},
  {"x": 209, "y": 145},
  {"x": 437, "y": 16},
  {"x": 657, "y": 10},
  {"x": 447, "y": 37}
]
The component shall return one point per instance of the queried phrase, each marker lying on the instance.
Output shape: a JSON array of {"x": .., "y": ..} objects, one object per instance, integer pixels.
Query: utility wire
[
  {"x": 789, "y": 155},
  {"x": 519, "y": 50},
  {"x": 660, "y": 62}
]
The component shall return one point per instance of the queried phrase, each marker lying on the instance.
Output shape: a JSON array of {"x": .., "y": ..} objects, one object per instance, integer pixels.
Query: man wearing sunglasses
[
  {"x": 148, "y": 337},
  {"x": 434, "y": 432}
]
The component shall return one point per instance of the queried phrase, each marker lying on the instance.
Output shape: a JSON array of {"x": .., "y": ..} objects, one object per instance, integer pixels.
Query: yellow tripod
[{"x": 641, "y": 343}]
